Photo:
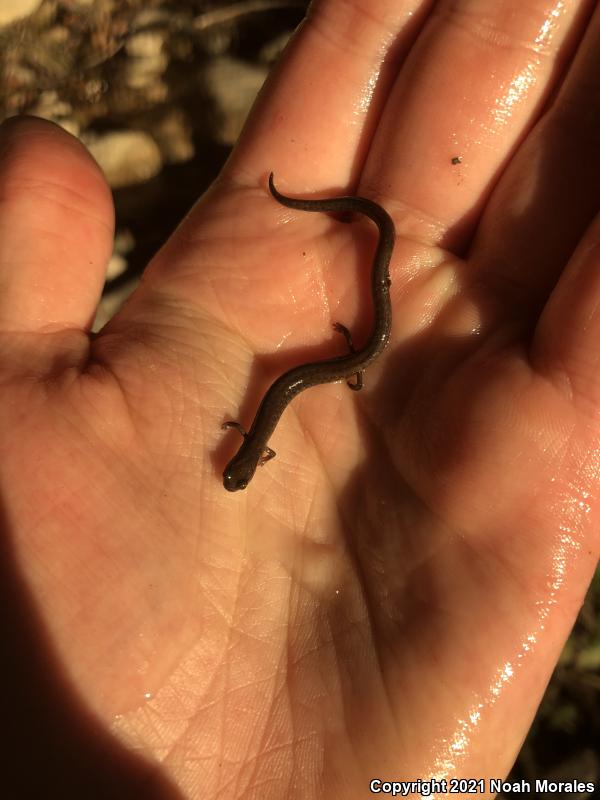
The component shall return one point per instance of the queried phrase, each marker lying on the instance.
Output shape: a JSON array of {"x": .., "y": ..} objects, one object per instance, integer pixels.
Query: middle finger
[{"x": 472, "y": 86}]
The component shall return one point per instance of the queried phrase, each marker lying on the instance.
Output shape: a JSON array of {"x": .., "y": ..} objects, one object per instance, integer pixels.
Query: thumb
[{"x": 56, "y": 229}]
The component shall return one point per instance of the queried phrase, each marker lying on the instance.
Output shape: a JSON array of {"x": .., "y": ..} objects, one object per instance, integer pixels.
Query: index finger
[{"x": 321, "y": 104}]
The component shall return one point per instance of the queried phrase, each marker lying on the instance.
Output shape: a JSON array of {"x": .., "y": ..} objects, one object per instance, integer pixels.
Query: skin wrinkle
[
  {"x": 502, "y": 286},
  {"x": 487, "y": 30},
  {"x": 275, "y": 700},
  {"x": 156, "y": 721},
  {"x": 300, "y": 761},
  {"x": 331, "y": 32},
  {"x": 170, "y": 299},
  {"x": 366, "y": 602},
  {"x": 214, "y": 678},
  {"x": 501, "y": 563},
  {"x": 340, "y": 693},
  {"x": 311, "y": 508},
  {"x": 405, "y": 215},
  {"x": 318, "y": 451},
  {"x": 51, "y": 232},
  {"x": 31, "y": 190},
  {"x": 590, "y": 408},
  {"x": 254, "y": 749},
  {"x": 228, "y": 688},
  {"x": 176, "y": 752},
  {"x": 347, "y": 680}
]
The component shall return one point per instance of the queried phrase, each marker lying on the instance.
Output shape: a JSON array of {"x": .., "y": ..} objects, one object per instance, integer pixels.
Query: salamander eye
[
  {"x": 233, "y": 482},
  {"x": 229, "y": 481}
]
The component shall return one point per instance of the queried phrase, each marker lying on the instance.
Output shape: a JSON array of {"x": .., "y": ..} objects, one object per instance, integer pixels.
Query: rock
[
  {"x": 233, "y": 85},
  {"x": 148, "y": 59},
  {"x": 173, "y": 133},
  {"x": 116, "y": 266},
  {"x": 50, "y": 106},
  {"x": 127, "y": 157},
  {"x": 148, "y": 44}
]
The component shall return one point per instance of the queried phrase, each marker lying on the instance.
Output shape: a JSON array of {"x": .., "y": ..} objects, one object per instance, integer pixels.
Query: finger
[
  {"x": 470, "y": 89},
  {"x": 317, "y": 113},
  {"x": 56, "y": 229},
  {"x": 567, "y": 339},
  {"x": 550, "y": 194}
]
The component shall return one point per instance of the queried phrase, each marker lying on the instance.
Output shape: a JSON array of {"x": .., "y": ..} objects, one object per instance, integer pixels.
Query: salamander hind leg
[{"x": 358, "y": 383}]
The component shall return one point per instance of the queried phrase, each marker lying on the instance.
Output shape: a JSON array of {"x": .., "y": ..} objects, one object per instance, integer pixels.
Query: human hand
[{"x": 388, "y": 597}]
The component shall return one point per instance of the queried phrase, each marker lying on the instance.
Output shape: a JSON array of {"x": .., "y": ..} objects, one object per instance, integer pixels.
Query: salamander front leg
[
  {"x": 358, "y": 384},
  {"x": 267, "y": 455}
]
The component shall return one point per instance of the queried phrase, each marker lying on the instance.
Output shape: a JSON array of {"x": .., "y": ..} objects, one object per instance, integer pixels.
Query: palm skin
[{"x": 389, "y": 595}]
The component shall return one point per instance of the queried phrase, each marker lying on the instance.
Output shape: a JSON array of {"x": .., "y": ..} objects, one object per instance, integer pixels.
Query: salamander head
[{"x": 238, "y": 473}]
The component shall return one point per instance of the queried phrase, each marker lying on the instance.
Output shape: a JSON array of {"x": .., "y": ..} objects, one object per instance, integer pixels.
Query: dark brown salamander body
[{"x": 253, "y": 451}]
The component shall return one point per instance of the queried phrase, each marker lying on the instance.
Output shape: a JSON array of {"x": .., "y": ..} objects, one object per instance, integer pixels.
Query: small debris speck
[{"x": 457, "y": 160}]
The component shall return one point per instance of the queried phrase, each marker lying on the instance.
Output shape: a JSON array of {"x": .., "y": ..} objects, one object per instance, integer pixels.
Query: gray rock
[{"x": 127, "y": 157}]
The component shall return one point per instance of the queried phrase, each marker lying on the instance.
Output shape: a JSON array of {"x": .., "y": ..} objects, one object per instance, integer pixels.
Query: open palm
[{"x": 389, "y": 595}]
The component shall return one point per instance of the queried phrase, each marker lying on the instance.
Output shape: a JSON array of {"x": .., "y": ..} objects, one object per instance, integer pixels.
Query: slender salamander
[{"x": 254, "y": 451}]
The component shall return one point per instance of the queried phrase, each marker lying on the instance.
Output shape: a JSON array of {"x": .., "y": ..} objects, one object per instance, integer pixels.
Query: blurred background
[{"x": 158, "y": 91}]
